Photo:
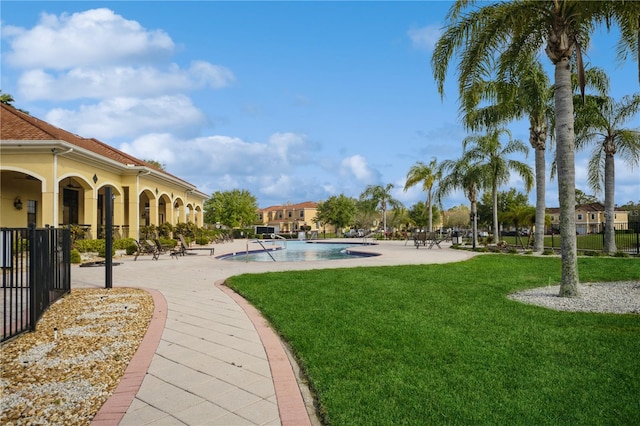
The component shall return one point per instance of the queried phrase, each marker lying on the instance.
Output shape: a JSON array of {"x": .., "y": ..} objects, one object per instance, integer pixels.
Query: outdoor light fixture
[{"x": 17, "y": 203}]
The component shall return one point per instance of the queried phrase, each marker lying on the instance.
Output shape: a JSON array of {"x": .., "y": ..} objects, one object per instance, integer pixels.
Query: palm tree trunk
[
  {"x": 609, "y": 245},
  {"x": 494, "y": 194},
  {"x": 429, "y": 202},
  {"x": 538, "y": 237},
  {"x": 565, "y": 161}
]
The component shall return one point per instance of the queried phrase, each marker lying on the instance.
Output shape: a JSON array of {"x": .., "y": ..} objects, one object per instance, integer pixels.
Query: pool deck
[{"x": 209, "y": 358}]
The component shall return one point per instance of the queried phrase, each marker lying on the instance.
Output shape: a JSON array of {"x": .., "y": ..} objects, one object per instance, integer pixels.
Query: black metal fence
[
  {"x": 36, "y": 271},
  {"x": 627, "y": 240}
]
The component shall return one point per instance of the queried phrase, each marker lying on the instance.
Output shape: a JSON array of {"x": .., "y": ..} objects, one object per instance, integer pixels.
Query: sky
[{"x": 292, "y": 101}]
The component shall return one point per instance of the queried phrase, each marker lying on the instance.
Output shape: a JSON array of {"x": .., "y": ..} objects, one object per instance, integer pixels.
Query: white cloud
[
  {"x": 425, "y": 38},
  {"x": 107, "y": 82},
  {"x": 112, "y": 118},
  {"x": 92, "y": 38},
  {"x": 356, "y": 166}
]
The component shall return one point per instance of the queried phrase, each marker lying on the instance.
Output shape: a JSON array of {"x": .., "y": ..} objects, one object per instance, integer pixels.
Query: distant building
[
  {"x": 590, "y": 218},
  {"x": 49, "y": 176},
  {"x": 290, "y": 218}
]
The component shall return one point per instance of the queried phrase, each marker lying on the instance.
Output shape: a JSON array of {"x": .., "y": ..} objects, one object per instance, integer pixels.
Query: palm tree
[
  {"x": 526, "y": 92},
  {"x": 520, "y": 216},
  {"x": 490, "y": 157},
  {"x": 462, "y": 175},
  {"x": 497, "y": 35},
  {"x": 601, "y": 120},
  {"x": 428, "y": 175},
  {"x": 381, "y": 196}
]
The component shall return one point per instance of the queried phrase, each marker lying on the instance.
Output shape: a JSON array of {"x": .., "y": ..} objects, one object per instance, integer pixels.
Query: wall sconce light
[{"x": 17, "y": 203}]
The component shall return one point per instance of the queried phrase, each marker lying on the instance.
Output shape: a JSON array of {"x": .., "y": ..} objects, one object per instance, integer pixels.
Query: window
[
  {"x": 289, "y": 214},
  {"x": 593, "y": 216},
  {"x": 579, "y": 216},
  {"x": 31, "y": 212},
  {"x": 280, "y": 215},
  {"x": 301, "y": 214}
]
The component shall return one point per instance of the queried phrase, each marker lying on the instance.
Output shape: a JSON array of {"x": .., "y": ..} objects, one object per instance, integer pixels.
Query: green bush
[
  {"x": 203, "y": 241},
  {"x": 132, "y": 248},
  {"x": 621, "y": 254},
  {"x": 75, "y": 256}
]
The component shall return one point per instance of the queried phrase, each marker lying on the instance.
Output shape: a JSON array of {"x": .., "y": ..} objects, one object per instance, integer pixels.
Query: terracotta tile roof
[
  {"x": 299, "y": 206},
  {"x": 16, "y": 125}
]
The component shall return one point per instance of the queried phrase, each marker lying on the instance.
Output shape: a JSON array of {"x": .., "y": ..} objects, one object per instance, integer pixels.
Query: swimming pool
[{"x": 297, "y": 251}]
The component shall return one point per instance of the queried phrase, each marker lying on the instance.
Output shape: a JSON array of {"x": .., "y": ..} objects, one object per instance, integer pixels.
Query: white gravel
[{"x": 622, "y": 297}]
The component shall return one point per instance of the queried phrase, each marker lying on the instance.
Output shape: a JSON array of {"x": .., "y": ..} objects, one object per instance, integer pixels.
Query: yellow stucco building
[{"x": 49, "y": 176}]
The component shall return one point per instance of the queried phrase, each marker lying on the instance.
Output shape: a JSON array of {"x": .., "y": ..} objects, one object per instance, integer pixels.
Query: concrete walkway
[{"x": 209, "y": 358}]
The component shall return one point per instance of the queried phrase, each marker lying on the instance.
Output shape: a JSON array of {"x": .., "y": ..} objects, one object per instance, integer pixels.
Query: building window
[
  {"x": 31, "y": 212},
  {"x": 301, "y": 214},
  {"x": 279, "y": 215},
  {"x": 289, "y": 214},
  {"x": 593, "y": 216},
  {"x": 579, "y": 216}
]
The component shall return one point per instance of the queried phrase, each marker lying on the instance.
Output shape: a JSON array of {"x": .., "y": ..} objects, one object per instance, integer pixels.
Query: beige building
[
  {"x": 289, "y": 218},
  {"x": 49, "y": 176},
  {"x": 590, "y": 218}
]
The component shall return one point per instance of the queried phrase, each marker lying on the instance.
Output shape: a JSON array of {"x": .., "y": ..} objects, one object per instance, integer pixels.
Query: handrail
[
  {"x": 275, "y": 236},
  {"x": 265, "y": 249}
]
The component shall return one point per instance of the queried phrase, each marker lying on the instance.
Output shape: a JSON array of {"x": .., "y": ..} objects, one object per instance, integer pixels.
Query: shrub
[
  {"x": 75, "y": 256},
  {"x": 203, "y": 241},
  {"x": 548, "y": 252},
  {"x": 132, "y": 248},
  {"x": 621, "y": 254}
]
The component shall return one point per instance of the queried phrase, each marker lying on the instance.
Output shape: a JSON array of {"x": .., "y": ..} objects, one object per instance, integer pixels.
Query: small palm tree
[
  {"x": 382, "y": 197},
  {"x": 463, "y": 175},
  {"x": 487, "y": 153},
  {"x": 428, "y": 175},
  {"x": 601, "y": 121},
  {"x": 519, "y": 217}
]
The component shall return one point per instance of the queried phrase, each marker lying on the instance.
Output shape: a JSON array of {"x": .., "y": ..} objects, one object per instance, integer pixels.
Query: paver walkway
[{"x": 210, "y": 366}]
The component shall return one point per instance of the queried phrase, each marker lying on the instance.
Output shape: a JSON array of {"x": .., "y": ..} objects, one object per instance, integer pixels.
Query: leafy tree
[
  {"x": 427, "y": 175},
  {"x": 520, "y": 216},
  {"x": 381, "y": 196},
  {"x": 156, "y": 164},
  {"x": 235, "y": 209},
  {"x": 457, "y": 217},
  {"x": 419, "y": 217},
  {"x": 601, "y": 122},
  {"x": 507, "y": 200},
  {"x": 583, "y": 198},
  {"x": 490, "y": 157},
  {"x": 366, "y": 214},
  {"x": 337, "y": 210},
  {"x": 497, "y": 35},
  {"x": 6, "y": 98}
]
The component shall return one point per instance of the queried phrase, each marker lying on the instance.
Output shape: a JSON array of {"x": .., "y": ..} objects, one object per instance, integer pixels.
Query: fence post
[
  {"x": 31, "y": 238},
  {"x": 108, "y": 241}
]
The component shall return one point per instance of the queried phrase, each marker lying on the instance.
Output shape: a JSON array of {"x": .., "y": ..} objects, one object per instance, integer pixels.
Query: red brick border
[
  {"x": 290, "y": 402},
  {"x": 114, "y": 409}
]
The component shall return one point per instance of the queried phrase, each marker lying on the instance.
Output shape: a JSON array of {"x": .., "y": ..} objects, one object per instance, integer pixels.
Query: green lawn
[{"x": 438, "y": 344}]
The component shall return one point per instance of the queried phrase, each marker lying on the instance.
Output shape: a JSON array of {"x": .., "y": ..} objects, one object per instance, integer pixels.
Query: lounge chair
[
  {"x": 145, "y": 248},
  {"x": 163, "y": 249},
  {"x": 184, "y": 247}
]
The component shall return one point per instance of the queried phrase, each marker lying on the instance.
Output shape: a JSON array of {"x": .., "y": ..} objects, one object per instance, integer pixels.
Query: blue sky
[{"x": 292, "y": 101}]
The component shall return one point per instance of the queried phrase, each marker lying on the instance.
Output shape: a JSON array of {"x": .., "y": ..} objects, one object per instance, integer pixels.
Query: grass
[{"x": 437, "y": 344}]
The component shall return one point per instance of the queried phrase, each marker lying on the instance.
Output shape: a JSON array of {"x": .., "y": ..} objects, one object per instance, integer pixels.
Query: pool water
[{"x": 297, "y": 251}]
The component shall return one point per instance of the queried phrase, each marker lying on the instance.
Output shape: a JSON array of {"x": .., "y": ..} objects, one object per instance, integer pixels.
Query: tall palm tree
[
  {"x": 497, "y": 35},
  {"x": 487, "y": 153},
  {"x": 462, "y": 175},
  {"x": 382, "y": 197},
  {"x": 428, "y": 175},
  {"x": 525, "y": 92},
  {"x": 601, "y": 121}
]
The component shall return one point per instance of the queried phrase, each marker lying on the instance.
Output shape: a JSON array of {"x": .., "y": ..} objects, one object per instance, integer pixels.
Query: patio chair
[
  {"x": 185, "y": 249},
  {"x": 145, "y": 248},
  {"x": 163, "y": 249}
]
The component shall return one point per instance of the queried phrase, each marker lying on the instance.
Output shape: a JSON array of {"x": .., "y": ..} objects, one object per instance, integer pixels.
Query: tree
[
  {"x": 156, "y": 164},
  {"x": 525, "y": 92},
  {"x": 520, "y": 216},
  {"x": 6, "y": 98},
  {"x": 428, "y": 175},
  {"x": 489, "y": 155},
  {"x": 337, "y": 210},
  {"x": 507, "y": 200},
  {"x": 419, "y": 217},
  {"x": 462, "y": 174},
  {"x": 381, "y": 196},
  {"x": 582, "y": 198},
  {"x": 497, "y": 35},
  {"x": 366, "y": 214},
  {"x": 457, "y": 217},
  {"x": 601, "y": 122},
  {"x": 235, "y": 208}
]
